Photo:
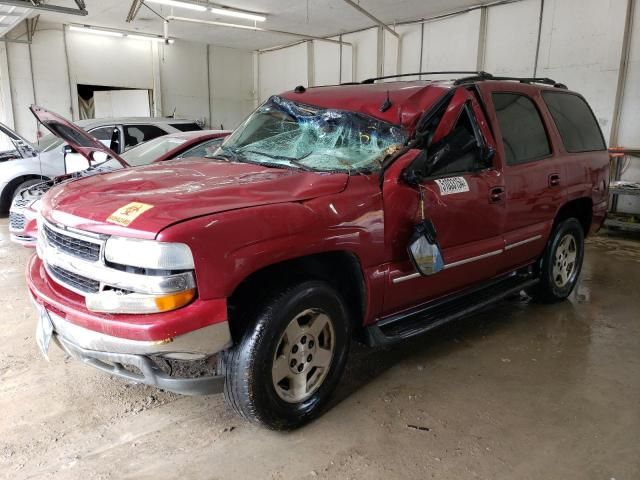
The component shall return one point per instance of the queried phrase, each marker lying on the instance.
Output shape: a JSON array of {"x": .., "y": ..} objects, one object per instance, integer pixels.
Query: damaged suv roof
[{"x": 408, "y": 99}]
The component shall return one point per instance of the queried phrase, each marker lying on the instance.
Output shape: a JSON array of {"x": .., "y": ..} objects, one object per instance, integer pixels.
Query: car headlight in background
[{"x": 148, "y": 254}]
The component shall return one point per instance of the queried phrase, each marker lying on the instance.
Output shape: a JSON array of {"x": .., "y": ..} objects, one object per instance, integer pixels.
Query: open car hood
[
  {"x": 76, "y": 137},
  {"x": 23, "y": 147}
]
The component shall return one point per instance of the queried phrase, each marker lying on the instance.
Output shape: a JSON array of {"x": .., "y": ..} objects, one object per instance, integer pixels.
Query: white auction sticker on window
[{"x": 452, "y": 185}]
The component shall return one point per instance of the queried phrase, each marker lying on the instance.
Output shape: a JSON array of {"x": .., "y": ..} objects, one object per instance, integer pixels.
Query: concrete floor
[{"x": 519, "y": 392}]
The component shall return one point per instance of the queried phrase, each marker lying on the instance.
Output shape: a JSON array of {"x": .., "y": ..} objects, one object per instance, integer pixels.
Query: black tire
[
  {"x": 551, "y": 287},
  {"x": 249, "y": 387}
]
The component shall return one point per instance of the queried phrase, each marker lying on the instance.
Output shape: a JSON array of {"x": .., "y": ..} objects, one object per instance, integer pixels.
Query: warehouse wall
[
  {"x": 177, "y": 74},
  {"x": 580, "y": 45}
]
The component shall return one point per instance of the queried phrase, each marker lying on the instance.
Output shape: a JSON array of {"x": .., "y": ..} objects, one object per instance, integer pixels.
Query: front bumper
[
  {"x": 23, "y": 226},
  {"x": 116, "y": 343},
  {"x": 147, "y": 371}
]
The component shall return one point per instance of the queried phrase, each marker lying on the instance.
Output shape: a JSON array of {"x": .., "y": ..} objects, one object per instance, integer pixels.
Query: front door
[{"x": 463, "y": 197}]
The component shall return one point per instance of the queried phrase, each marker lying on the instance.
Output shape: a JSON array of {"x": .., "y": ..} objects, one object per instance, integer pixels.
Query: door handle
[
  {"x": 554, "y": 180},
  {"x": 496, "y": 194}
]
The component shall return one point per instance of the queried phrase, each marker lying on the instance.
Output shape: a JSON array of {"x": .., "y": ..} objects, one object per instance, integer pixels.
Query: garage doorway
[{"x": 98, "y": 101}]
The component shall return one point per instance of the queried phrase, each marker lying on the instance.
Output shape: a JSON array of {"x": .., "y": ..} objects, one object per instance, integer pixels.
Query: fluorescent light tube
[
  {"x": 237, "y": 14},
  {"x": 149, "y": 38},
  {"x": 95, "y": 31},
  {"x": 178, "y": 4}
]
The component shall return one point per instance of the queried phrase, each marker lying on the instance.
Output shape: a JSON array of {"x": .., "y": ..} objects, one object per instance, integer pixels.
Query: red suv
[{"x": 376, "y": 211}]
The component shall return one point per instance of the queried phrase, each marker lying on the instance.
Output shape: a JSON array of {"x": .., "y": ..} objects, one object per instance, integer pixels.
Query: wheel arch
[
  {"x": 7, "y": 193},
  {"x": 340, "y": 269},
  {"x": 579, "y": 208}
]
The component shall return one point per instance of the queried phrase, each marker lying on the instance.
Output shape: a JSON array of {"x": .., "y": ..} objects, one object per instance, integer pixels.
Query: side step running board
[{"x": 426, "y": 317}]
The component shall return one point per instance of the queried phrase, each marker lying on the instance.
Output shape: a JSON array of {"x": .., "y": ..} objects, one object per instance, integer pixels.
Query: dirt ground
[{"x": 519, "y": 392}]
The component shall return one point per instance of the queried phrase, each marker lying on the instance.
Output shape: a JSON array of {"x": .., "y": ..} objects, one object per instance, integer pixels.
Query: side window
[
  {"x": 459, "y": 151},
  {"x": 135, "y": 134},
  {"x": 523, "y": 134},
  {"x": 576, "y": 123},
  {"x": 103, "y": 134},
  {"x": 203, "y": 150}
]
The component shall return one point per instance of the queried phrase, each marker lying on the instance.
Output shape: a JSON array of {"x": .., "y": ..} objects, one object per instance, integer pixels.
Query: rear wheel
[
  {"x": 288, "y": 362},
  {"x": 561, "y": 262}
]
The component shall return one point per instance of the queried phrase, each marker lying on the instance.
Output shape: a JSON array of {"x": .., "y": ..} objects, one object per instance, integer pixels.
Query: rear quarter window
[
  {"x": 575, "y": 121},
  {"x": 523, "y": 134}
]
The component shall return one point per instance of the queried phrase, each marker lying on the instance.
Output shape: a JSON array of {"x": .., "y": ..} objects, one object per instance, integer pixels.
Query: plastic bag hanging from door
[{"x": 423, "y": 249}]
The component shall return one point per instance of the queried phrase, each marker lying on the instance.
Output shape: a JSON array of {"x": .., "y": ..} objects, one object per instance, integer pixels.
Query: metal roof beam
[
  {"x": 372, "y": 17},
  {"x": 47, "y": 8}
]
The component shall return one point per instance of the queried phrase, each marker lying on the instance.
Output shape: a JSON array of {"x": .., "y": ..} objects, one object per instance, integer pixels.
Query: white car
[{"x": 23, "y": 164}]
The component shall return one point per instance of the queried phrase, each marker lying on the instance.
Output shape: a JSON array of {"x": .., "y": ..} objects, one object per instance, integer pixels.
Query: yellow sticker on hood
[{"x": 127, "y": 214}]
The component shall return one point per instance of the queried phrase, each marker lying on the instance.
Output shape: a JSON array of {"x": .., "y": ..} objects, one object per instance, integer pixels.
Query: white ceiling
[
  {"x": 310, "y": 17},
  {"x": 10, "y": 17}
]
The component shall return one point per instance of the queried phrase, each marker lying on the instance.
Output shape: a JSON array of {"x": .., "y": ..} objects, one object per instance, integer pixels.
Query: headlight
[
  {"x": 148, "y": 254},
  {"x": 36, "y": 205}
]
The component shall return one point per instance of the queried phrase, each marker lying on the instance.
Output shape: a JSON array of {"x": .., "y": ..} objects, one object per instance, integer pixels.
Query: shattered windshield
[{"x": 283, "y": 132}]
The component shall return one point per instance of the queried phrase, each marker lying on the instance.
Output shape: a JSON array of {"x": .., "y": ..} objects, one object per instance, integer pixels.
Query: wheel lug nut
[
  {"x": 294, "y": 349},
  {"x": 309, "y": 358},
  {"x": 303, "y": 340},
  {"x": 310, "y": 343},
  {"x": 300, "y": 367},
  {"x": 293, "y": 363}
]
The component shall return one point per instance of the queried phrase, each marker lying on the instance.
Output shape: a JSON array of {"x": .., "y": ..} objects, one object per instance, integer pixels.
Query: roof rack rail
[
  {"x": 445, "y": 72},
  {"x": 487, "y": 76}
]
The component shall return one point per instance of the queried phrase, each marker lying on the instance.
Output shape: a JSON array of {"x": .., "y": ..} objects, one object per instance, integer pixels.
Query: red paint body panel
[
  {"x": 179, "y": 190},
  {"x": 159, "y": 326},
  {"x": 240, "y": 218},
  {"x": 409, "y": 99}
]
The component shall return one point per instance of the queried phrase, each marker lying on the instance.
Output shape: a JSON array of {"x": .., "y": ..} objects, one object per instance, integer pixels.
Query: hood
[
  {"x": 142, "y": 201},
  {"x": 22, "y": 147},
  {"x": 82, "y": 142}
]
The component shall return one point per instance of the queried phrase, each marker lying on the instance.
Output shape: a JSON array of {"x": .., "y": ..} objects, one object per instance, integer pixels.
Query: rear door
[
  {"x": 463, "y": 199},
  {"x": 534, "y": 173}
]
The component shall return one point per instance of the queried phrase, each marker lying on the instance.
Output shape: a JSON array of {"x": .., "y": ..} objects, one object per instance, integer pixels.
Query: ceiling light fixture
[
  {"x": 228, "y": 12},
  {"x": 148, "y": 38},
  {"x": 95, "y": 31},
  {"x": 179, "y": 4}
]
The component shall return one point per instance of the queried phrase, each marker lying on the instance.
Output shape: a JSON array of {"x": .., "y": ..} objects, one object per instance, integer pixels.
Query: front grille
[
  {"x": 16, "y": 221},
  {"x": 19, "y": 202},
  {"x": 74, "y": 281},
  {"x": 74, "y": 246}
]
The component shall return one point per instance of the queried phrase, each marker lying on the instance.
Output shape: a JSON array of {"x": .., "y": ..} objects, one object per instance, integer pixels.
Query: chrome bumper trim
[{"x": 205, "y": 341}]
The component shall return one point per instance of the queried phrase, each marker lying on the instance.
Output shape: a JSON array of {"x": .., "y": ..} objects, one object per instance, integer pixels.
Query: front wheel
[
  {"x": 561, "y": 262},
  {"x": 290, "y": 359}
]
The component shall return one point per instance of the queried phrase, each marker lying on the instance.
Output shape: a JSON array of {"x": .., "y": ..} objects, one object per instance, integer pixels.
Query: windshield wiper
[
  {"x": 293, "y": 161},
  {"x": 229, "y": 155}
]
